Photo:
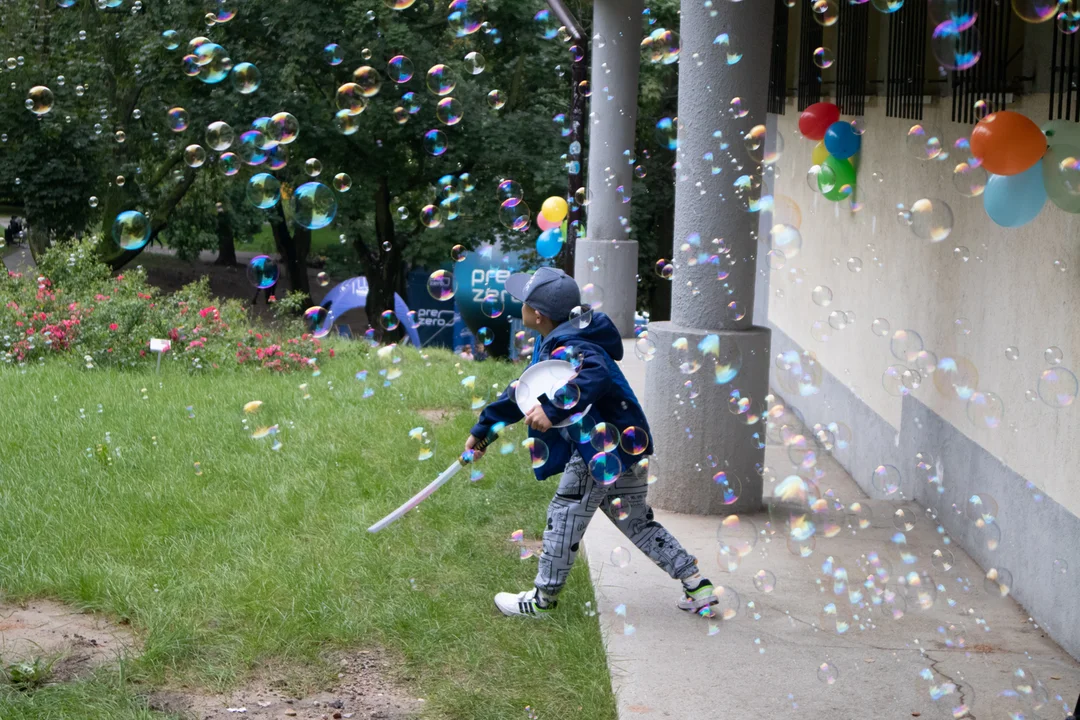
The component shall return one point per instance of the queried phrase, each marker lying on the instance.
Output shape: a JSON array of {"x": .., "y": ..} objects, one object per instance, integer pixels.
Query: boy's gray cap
[{"x": 549, "y": 290}]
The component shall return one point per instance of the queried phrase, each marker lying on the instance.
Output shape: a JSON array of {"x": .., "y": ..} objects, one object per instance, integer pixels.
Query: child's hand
[
  {"x": 470, "y": 444},
  {"x": 537, "y": 419}
]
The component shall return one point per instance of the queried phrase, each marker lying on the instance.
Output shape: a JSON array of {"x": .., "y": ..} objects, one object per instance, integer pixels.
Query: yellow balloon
[
  {"x": 819, "y": 155},
  {"x": 554, "y": 209}
]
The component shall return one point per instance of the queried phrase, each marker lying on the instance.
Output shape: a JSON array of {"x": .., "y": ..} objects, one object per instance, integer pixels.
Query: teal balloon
[
  {"x": 1062, "y": 132},
  {"x": 1015, "y": 200},
  {"x": 550, "y": 243},
  {"x": 836, "y": 174},
  {"x": 1060, "y": 180}
]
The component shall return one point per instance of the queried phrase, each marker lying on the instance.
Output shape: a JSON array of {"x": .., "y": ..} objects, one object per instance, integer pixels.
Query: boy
[{"x": 548, "y": 296}]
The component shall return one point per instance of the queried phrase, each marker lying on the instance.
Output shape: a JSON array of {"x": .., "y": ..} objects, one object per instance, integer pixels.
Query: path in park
[{"x": 673, "y": 666}]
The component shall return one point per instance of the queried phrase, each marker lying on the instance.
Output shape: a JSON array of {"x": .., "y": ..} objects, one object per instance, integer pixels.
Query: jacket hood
[{"x": 601, "y": 331}]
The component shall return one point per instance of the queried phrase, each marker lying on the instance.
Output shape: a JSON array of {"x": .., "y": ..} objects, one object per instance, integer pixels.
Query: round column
[{"x": 711, "y": 341}]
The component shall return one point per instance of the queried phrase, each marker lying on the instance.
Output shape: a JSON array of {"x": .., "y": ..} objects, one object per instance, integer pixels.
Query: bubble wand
[{"x": 465, "y": 459}]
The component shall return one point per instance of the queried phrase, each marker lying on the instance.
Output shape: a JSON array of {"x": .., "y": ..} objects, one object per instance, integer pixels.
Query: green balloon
[
  {"x": 1061, "y": 180},
  {"x": 835, "y": 175},
  {"x": 1062, "y": 132}
]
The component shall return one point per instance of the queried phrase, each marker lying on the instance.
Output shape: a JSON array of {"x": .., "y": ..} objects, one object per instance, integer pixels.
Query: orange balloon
[{"x": 1008, "y": 143}]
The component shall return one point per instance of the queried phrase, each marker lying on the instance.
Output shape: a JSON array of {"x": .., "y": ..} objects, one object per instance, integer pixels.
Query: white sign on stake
[{"x": 159, "y": 346}]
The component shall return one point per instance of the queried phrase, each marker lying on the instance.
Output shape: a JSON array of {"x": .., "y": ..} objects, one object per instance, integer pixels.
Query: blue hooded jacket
[{"x": 602, "y": 385}]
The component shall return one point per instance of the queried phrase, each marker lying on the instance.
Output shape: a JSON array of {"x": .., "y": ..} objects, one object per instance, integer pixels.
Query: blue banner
[{"x": 435, "y": 319}]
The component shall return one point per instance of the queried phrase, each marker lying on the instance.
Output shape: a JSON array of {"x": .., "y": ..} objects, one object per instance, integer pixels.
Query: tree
[{"x": 130, "y": 79}]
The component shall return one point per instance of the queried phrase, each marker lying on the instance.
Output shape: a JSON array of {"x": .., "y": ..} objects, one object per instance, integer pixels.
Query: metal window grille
[
  {"x": 810, "y": 39},
  {"x": 1064, "y": 97},
  {"x": 778, "y": 68},
  {"x": 906, "y": 69},
  {"x": 986, "y": 80},
  {"x": 851, "y": 58}
]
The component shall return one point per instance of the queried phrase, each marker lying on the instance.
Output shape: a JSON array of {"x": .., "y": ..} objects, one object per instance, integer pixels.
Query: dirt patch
[
  {"x": 362, "y": 690},
  {"x": 50, "y": 630},
  {"x": 436, "y": 416}
]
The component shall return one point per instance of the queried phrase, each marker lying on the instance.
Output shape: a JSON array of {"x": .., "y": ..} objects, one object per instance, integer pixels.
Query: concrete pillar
[
  {"x": 607, "y": 257},
  {"x": 707, "y": 336}
]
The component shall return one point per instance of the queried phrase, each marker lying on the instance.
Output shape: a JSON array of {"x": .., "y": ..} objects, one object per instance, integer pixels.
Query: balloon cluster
[
  {"x": 552, "y": 218},
  {"x": 1026, "y": 166},
  {"x": 836, "y": 154}
]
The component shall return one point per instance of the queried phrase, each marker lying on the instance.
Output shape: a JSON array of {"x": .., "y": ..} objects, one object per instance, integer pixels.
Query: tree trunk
[
  {"x": 387, "y": 274},
  {"x": 293, "y": 249},
  {"x": 226, "y": 241}
]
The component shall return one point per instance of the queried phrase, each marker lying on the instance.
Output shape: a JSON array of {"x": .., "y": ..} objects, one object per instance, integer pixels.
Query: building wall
[{"x": 1009, "y": 292}]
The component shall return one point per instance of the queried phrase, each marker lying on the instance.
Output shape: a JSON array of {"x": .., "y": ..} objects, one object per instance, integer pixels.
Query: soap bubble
[
  {"x": 1035, "y": 11},
  {"x": 435, "y": 142},
  {"x": 496, "y": 99},
  {"x": 368, "y": 80},
  {"x": 538, "y": 452},
  {"x": 39, "y": 100},
  {"x": 194, "y": 156},
  {"x": 823, "y": 57},
  {"x": 350, "y": 98},
  {"x": 441, "y": 80},
  {"x": 1057, "y": 387},
  {"x": 342, "y": 182},
  {"x": 931, "y": 219},
  {"x": 826, "y": 12},
  {"x": 449, "y": 111},
  {"x": 465, "y": 17},
  {"x": 333, "y": 54},
  {"x": 314, "y": 205},
  {"x": 246, "y": 78},
  {"x": 317, "y": 321},
  {"x": 970, "y": 180},
  {"x": 177, "y": 119},
  {"x": 219, "y": 136},
  {"x": 400, "y": 69},
  {"x": 923, "y": 142},
  {"x": 514, "y": 214},
  {"x": 313, "y": 167},
  {"x": 251, "y": 148},
  {"x": 283, "y": 128},
  {"x": 956, "y": 377},
  {"x": 263, "y": 191},
  {"x": 474, "y": 63},
  {"x": 440, "y": 285},
  {"x": 262, "y": 272},
  {"x": 131, "y": 230}
]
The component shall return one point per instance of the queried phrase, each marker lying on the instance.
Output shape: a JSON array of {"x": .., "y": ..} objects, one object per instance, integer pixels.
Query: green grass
[
  {"x": 264, "y": 557},
  {"x": 263, "y": 241}
]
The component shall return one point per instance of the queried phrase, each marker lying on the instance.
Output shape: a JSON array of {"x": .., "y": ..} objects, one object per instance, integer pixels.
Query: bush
[{"x": 77, "y": 309}]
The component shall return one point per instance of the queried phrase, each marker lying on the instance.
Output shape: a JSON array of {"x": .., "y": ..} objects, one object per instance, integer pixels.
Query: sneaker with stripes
[
  {"x": 527, "y": 603},
  {"x": 698, "y": 596}
]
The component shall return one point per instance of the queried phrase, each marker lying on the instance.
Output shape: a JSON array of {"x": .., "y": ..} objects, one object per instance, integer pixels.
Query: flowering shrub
[{"x": 75, "y": 308}]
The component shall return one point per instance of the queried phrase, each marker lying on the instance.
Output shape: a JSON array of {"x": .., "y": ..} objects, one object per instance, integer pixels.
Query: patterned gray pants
[{"x": 576, "y": 501}]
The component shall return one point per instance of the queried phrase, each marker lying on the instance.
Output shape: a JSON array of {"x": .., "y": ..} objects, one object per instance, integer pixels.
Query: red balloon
[{"x": 817, "y": 118}]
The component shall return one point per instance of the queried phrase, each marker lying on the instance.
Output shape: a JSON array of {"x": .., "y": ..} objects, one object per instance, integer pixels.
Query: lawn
[
  {"x": 262, "y": 555},
  {"x": 263, "y": 241}
]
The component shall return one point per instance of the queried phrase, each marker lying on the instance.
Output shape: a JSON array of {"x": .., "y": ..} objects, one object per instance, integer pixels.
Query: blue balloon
[
  {"x": 841, "y": 140},
  {"x": 1015, "y": 200},
  {"x": 550, "y": 243}
]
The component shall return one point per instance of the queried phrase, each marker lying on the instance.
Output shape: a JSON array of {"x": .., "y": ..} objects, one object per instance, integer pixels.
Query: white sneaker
[{"x": 523, "y": 603}]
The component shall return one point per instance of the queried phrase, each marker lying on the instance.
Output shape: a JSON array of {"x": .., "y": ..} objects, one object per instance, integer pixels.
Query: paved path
[{"x": 764, "y": 663}]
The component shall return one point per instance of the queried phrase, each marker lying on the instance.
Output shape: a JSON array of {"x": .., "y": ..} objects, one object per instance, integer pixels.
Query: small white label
[{"x": 159, "y": 346}]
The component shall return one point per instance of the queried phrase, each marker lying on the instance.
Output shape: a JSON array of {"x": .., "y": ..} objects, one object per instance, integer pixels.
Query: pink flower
[{"x": 114, "y": 327}]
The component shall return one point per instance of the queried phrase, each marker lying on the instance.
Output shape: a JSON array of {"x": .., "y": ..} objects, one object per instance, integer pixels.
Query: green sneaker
[{"x": 700, "y": 598}]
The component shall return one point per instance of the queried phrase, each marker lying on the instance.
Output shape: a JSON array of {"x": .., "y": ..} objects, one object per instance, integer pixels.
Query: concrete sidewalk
[{"x": 950, "y": 639}]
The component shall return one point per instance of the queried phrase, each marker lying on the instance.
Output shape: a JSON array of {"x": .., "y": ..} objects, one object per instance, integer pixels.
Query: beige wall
[{"x": 1009, "y": 291}]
